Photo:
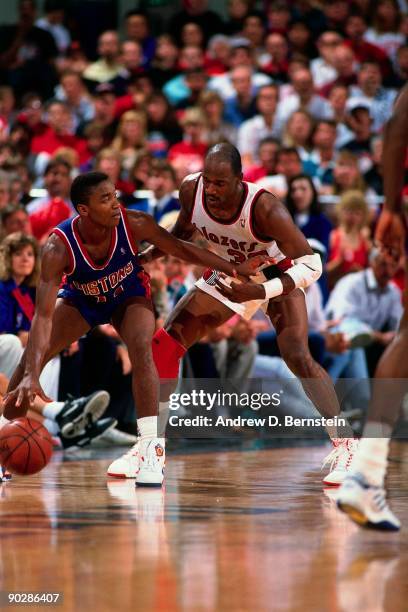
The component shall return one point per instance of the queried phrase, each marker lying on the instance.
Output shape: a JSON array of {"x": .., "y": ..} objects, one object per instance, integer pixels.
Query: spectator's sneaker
[
  {"x": 126, "y": 466},
  {"x": 89, "y": 433},
  {"x": 76, "y": 414},
  {"x": 5, "y": 476},
  {"x": 114, "y": 437},
  {"x": 365, "y": 504},
  {"x": 339, "y": 459},
  {"x": 152, "y": 458}
]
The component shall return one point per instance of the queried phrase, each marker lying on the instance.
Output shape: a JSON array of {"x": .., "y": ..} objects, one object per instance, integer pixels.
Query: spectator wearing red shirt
[
  {"x": 58, "y": 133},
  {"x": 267, "y": 154},
  {"x": 188, "y": 155},
  {"x": 45, "y": 213},
  {"x": 364, "y": 51},
  {"x": 344, "y": 62}
]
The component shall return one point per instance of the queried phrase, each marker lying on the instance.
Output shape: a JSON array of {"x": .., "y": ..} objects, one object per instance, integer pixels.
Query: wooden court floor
[{"x": 233, "y": 531}]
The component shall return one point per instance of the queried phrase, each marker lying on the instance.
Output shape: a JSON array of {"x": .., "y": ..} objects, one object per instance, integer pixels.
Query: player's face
[
  {"x": 220, "y": 184},
  {"x": 103, "y": 206}
]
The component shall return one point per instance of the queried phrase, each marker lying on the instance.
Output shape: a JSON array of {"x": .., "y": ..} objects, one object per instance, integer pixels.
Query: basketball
[{"x": 25, "y": 446}]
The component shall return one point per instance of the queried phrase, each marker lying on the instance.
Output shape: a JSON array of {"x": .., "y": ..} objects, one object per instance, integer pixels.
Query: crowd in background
[{"x": 302, "y": 88}]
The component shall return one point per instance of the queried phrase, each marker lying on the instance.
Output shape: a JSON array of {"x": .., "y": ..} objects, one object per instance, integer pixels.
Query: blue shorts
[{"x": 98, "y": 313}]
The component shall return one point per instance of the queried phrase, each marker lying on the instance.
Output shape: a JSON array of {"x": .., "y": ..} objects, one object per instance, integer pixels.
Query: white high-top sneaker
[
  {"x": 152, "y": 458},
  {"x": 366, "y": 504},
  {"x": 339, "y": 459},
  {"x": 126, "y": 466}
]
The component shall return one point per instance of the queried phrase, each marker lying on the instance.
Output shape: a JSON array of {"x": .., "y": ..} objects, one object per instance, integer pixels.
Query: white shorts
[{"x": 245, "y": 309}]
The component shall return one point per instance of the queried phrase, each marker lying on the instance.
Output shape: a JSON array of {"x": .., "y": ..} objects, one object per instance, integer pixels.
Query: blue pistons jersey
[{"x": 97, "y": 290}]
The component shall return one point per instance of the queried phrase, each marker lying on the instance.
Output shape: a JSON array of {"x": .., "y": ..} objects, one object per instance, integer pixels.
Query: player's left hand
[
  {"x": 241, "y": 292},
  {"x": 252, "y": 265}
]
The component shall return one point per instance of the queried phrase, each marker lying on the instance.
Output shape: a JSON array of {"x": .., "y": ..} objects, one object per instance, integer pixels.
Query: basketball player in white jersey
[
  {"x": 362, "y": 496},
  {"x": 241, "y": 220}
]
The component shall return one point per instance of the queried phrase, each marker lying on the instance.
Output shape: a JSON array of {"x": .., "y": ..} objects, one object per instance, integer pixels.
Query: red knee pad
[{"x": 167, "y": 353}]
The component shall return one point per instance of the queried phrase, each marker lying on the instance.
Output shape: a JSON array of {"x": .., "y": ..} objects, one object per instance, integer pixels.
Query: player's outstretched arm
[
  {"x": 394, "y": 152},
  {"x": 54, "y": 261},
  {"x": 144, "y": 227},
  {"x": 272, "y": 220}
]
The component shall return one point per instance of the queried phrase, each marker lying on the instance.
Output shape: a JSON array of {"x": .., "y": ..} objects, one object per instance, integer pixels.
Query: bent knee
[{"x": 299, "y": 360}]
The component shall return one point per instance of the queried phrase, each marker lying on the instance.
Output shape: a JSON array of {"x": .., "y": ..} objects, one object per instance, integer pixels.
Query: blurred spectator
[
  {"x": 107, "y": 67},
  {"x": 266, "y": 166},
  {"x": 164, "y": 67},
  {"x": 196, "y": 11},
  {"x": 137, "y": 28},
  {"x": 218, "y": 130},
  {"x": 188, "y": 155},
  {"x": 53, "y": 22},
  {"x": 288, "y": 165},
  {"x": 15, "y": 219},
  {"x": 196, "y": 81},
  {"x": 385, "y": 32},
  {"x": 300, "y": 40},
  {"x": 304, "y": 98},
  {"x": 356, "y": 27},
  {"x": 335, "y": 12},
  {"x": 344, "y": 62},
  {"x": 369, "y": 305},
  {"x": 380, "y": 100},
  {"x": 46, "y": 213},
  {"x": 322, "y": 160},
  {"x": 217, "y": 54},
  {"x": 240, "y": 55},
  {"x": 264, "y": 124},
  {"x": 254, "y": 31},
  {"x": 108, "y": 161},
  {"x": 4, "y": 190},
  {"x": 94, "y": 136},
  {"x": 298, "y": 133},
  {"x": 140, "y": 172},
  {"x": 360, "y": 123},
  {"x": 105, "y": 110},
  {"x": 302, "y": 203},
  {"x": 275, "y": 60},
  {"x": 162, "y": 125},
  {"x": 161, "y": 182},
  {"x": 192, "y": 34},
  {"x": 19, "y": 274},
  {"x": 176, "y": 89},
  {"x": 349, "y": 243},
  {"x": 27, "y": 53},
  {"x": 73, "y": 91},
  {"x": 237, "y": 11},
  {"x": 374, "y": 176},
  {"x": 7, "y": 104},
  {"x": 130, "y": 137},
  {"x": 400, "y": 76},
  {"x": 279, "y": 17},
  {"x": 322, "y": 67},
  {"x": 347, "y": 175},
  {"x": 242, "y": 105}
]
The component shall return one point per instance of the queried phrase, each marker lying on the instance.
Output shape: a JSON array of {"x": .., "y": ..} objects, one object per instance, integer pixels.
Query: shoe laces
[{"x": 333, "y": 457}]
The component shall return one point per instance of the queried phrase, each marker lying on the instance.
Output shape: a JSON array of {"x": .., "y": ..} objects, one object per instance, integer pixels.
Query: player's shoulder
[
  {"x": 55, "y": 250},
  {"x": 189, "y": 185}
]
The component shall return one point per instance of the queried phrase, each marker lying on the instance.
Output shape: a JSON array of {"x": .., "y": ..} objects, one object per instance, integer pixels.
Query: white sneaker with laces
[
  {"x": 152, "y": 458},
  {"x": 340, "y": 460},
  {"x": 126, "y": 466},
  {"x": 366, "y": 504}
]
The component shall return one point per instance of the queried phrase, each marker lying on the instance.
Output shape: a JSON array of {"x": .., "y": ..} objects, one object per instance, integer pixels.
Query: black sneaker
[
  {"x": 76, "y": 414},
  {"x": 89, "y": 433}
]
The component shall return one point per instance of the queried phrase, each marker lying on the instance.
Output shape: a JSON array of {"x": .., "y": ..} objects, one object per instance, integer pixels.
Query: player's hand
[
  {"x": 390, "y": 233},
  {"x": 241, "y": 292},
  {"x": 123, "y": 356},
  {"x": 25, "y": 393},
  {"x": 252, "y": 265}
]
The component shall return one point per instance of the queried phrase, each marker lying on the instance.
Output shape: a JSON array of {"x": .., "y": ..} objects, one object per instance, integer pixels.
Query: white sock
[
  {"x": 51, "y": 410},
  {"x": 3, "y": 421},
  {"x": 147, "y": 427},
  {"x": 372, "y": 453},
  {"x": 52, "y": 426}
]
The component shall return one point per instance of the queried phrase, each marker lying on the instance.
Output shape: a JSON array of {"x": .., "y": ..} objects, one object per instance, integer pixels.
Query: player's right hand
[
  {"x": 252, "y": 265},
  {"x": 25, "y": 393},
  {"x": 390, "y": 233}
]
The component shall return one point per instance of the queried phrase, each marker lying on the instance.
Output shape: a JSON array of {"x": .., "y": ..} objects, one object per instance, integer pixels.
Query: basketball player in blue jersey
[
  {"x": 97, "y": 254},
  {"x": 362, "y": 495},
  {"x": 241, "y": 220}
]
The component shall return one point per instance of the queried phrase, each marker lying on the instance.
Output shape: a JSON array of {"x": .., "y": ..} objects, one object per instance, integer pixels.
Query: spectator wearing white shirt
[
  {"x": 369, "y": 86},
  {"x": 304, "y": 98},
  {"x": 259, "y": 127},
  {"x": 53, "y": 22},
  {"x": 322, "y": 68},
  {"x": 385, "y": 29},
  {"x": 240, "y": 55}
]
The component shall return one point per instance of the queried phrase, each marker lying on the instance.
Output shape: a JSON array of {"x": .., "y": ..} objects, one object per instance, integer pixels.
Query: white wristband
[{"x": 273, "y": 288}]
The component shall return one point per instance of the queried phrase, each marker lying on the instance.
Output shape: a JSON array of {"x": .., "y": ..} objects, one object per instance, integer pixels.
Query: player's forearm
[
  {"x": 150, "y": 254},
  {"x": 394, "y": 163},
  {"x": 37, "y": 344},
  {"x": 196, "y": 255}
]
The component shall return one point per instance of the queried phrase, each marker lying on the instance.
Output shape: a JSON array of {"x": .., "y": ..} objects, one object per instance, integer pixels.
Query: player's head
[
  {"x": 94, "y": 197},
  {"x": 222, "y": 173}
]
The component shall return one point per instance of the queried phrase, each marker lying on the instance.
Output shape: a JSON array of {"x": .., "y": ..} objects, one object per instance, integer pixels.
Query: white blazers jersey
[{"x": 234, "y": 240}]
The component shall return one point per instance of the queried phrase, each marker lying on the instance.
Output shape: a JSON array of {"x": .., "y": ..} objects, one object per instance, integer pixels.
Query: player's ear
[{"x": 82, "y": 210}]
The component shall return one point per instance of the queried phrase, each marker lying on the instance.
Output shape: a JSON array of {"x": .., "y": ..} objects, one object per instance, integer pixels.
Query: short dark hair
[
  {"x": 288, "y": 151},
  {"x": 162, "y": 166},
  {"x": 10, "y": 209},
  {"x": 226, "y": 152},
  {"x": 55, "y": 163},
  {"x": 83, "y": 185}
]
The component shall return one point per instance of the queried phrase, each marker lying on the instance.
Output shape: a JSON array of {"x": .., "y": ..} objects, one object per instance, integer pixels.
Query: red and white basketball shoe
[
  {"x": 340, "y": 460},
  {"x": 126, "y": 466}
]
